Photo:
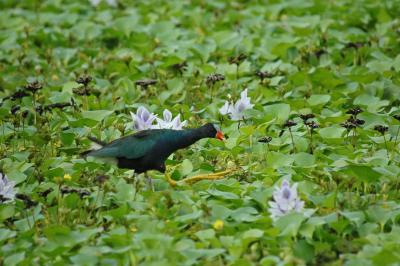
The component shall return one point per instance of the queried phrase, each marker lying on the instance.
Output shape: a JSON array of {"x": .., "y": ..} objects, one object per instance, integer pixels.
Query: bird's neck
[
  {"x": 180, "y": 139},
  {"x": 190, "y": 136}
]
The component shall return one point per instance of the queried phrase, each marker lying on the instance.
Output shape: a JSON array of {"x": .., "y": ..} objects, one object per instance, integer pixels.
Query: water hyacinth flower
[
  {"x": 143, "y": 119},
  {"x": 6, "y": 188},
  {"x": 236, "y": 110},
  {"x": 109, "y": 2},
  {"x": 169, "y": 122},
  {"x": 285, "y": 200}
]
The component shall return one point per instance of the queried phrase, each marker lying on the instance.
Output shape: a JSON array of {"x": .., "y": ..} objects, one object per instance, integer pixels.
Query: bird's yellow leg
[
  {"x": 196, "y": 178},
  {"x": 168, "y": 172}
]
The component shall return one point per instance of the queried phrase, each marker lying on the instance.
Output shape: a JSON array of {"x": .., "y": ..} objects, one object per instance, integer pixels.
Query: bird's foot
[
  {"x": 196, "y": 178},
  {"x": 212, "y": 176}
]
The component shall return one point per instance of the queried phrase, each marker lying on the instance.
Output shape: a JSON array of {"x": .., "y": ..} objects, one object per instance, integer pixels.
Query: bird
[{"x": 148, "y": 149}]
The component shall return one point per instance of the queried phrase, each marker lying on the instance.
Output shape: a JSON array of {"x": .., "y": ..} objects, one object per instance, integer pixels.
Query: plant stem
[
  {"x": 353, "y": 142},
  {"x": 237, "y": 74},
  {"x": 34, "y": 108},
  {"x": 291, "y": 136},
  {"x": 395, "y": 143},
  {"x": 387, "y": 150},
  {"x": 27, "y": 218},
  {"x": 59, "y": 203},
  {"x": 211, "y": 92}
]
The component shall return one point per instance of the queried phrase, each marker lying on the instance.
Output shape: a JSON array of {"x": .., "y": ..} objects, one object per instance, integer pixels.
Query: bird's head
[{"x": 213, "y": 132}]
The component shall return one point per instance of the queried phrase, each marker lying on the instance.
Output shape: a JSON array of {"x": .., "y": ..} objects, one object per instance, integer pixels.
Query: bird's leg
[
  {"x": 135, "y": 183},
  {"x": 168, "y": 172},
  {"x": 149, "y": 181}
]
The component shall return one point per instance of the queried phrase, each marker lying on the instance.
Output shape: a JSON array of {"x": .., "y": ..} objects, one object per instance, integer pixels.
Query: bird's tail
[{"x": 96, "y": 144}]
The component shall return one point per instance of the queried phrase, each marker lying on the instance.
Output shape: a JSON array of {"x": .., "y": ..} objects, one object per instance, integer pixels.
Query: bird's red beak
[{"x": 219, "y": 135}]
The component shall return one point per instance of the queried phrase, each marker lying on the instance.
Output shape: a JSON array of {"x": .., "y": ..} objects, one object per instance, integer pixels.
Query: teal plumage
[
  {"x": 130, "y": 147},
  {"x": 148, "y": 149}
]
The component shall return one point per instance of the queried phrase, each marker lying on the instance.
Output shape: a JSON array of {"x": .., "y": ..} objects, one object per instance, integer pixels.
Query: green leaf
[
  {"x": 280, "y": 112},
  {"x": 304, "y": 159},
  {"x": 277, "y": 159},
  {"x": 14, "y": 259},
  {"x": 6, "y": 211},
  {"x": 304, "y": 250},
  {"x": 318, "y": 99},
  {"x": 96, "y": 115},
  {"x": 245, "y": 214},
  {"x": 6, "y": 234},
  {"x": 189, "y": 217},
  {"x": 289, "y": 224},
  {"x": 186, "y": 167},
  {"x": 332, "y": 132},
  {"x": 205, "y": 234},
  {"x": 364, "y": 172}
]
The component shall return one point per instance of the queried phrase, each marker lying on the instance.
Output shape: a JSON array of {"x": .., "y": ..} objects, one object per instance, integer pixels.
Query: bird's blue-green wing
[{"x": 130, "y": 147}]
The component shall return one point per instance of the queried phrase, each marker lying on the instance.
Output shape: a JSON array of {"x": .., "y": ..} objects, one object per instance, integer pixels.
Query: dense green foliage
[{"x": 298, "y": 57}]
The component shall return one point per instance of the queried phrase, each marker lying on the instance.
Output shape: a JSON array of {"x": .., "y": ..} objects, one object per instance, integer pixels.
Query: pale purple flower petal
[
  {"x": 285, "y": 200},
  {"x": 167, "y": 115},
  {"x": 143, "y": 119},
  {"x": 224, "y": 110},
  {"x": 109, "y": 2},
  {"x": 169, "y": 122},
  {"x": 112, "y": 2},
  {"x": 236, "y": 111},
  {"x": 6, "y": 188},
  {"x": 95, "y": 2}
]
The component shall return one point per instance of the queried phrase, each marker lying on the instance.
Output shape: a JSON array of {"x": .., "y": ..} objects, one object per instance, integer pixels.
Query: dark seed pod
[
  {"x": 237, "y": 59},
  {"x": 46, "y": 192},
  {"x": 15, "y": 109},
  {"x": 33, "y": 87},
  {"x": 214, "y": 78},
  {"x": 306, "y": 117},
  {"x": 25, "y": 113},
  {"x": 180, "y": 67},
  {"x": 312, "y": 125},
  {"x": 348, "y": 125},
  {"x": 82, "y": 193},
  {"x": 82, "y": 91},
  {"x": 354, "y": 111},
  {"x": 263, "y": 74},
  {"x": 355, "y": 45},
  {"x": 355, "y": 121},
  {"x": 57, "y": 105},
  {"x": 18, "y": 95},
  {"x": 84, "y": 80},
  {"x": 289, "y": 123},
  {"x": 359, "y": 122},
  {"x": 318, "y": 53},
  {"x": 3, "y": 199},
  {"x": 39, "y": 109},
  {"x": 144, "y": 83},
  {"x": 381, "y": 129},
  {"x": 102, "y": 178},
  {"x": 67, "y": 190},
  {"x": 266, "y": 139},
  {"x": 29, "y": 203}
]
